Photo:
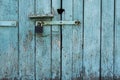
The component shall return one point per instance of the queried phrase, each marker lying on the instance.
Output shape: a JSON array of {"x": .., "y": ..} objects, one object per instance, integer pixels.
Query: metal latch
[
  {"x": 43, "y": 23},
  {"x": 40, "y": 24}
]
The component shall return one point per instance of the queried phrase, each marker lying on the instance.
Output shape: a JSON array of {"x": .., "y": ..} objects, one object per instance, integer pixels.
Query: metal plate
[
  {"x": 7, "y": 23},
  {"x": 41, "y": 16},
  {"x": 58, "y": 22}
]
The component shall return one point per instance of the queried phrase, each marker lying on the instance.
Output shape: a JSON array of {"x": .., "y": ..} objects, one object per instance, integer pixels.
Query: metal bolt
[{"x": 77, "y": 22}]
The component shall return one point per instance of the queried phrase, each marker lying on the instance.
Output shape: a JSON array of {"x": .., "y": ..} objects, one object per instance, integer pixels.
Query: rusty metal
[
  {"x": 43, "y": 23},
  {"x": 41, "y": 16}
]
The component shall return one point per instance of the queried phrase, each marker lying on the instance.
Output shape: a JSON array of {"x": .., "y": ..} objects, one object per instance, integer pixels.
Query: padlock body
[{"x": 38, "y": 29}]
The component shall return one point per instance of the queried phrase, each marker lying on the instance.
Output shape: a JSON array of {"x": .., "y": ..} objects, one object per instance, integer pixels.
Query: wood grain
[
  {"x": 26, "y": 40},
  {"x": 107, "y": 39},
  {"x": 43, "y": 44},
  {"x": 67, "y": 42},
  {"x": 77, "y": 40},
  {"x": 8, "y": 40},
  {"x": 91, "y": 39},
  {"x": 55, "y": 42},
  {"x": 117, "y": 41}
]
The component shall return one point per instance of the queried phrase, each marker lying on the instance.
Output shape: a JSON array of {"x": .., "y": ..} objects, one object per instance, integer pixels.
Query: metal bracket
[
  {"x": 41, "y": 16},
  {"x": 43, "y": 23}
]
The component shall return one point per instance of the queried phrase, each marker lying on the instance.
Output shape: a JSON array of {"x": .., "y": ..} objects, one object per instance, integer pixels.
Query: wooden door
[
  {"x": 59, "y": 49},
  {"x": 89, "y": 51},
  {"x": 8, "y": 39}
]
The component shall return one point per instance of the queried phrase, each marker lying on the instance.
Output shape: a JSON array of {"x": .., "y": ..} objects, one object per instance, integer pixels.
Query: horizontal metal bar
[
  {"x": 8, "y": 23},
  {"x": 58, "y": 22},
  {"x": 41, "y": 16}
]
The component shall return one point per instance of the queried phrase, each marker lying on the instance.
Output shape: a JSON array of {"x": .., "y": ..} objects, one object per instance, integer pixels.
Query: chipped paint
[{"x": 90, "y": 51}]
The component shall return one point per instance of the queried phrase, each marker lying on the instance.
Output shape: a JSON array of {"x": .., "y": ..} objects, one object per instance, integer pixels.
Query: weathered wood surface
[
  {"x": 117, "y": 41},
  {"x": 91, "y": 57},
  {"x": 8, "y": 40},
  {"x": 90, "y": 51},
  {"x": 67, "y": 42},
  {"x": 26, "y": 40},
  {"x": 107, "y": 38},
  {"x": 55, "y": 42},
  {"x": 77, "y": 40},
  {"x": 72, "y": 41},
  {"x": 43, "y": 44}
]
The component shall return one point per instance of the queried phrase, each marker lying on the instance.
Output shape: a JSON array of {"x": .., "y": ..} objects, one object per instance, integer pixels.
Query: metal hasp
[
  {"x": 52, "y": 22},
  {"x": 40, "y": 24},
  {"x": 43, "y": 23},
  {"x": 8, "y": 23}
]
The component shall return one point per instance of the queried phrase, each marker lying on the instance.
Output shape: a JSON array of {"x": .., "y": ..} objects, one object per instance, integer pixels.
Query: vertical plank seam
[
  {"x": 114, "y": 27},
  {"x": 51, "y": 45},
  {"x": 61, "y": 43},
  {"x": 72, "y": 40},
  {"x": 83, "y": 43},
  {"x": 72, "y": 36},
  {"x": 100, "y": 77},
  {"x": 34, "y": 43},
  {"x": 18, "y": 44}
]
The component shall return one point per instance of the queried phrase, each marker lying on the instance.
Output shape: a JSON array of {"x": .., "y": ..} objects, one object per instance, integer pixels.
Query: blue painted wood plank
[
  {"x": 55, "y": 42},
  {"x": 91, "y": 39},
  {"x": 77, "y": 39},
  {"x": 107, "y": 39},
  {"x": 8, "y": 40},
  {"x": 43, "y": 44},
  {"x": 67, "y": 42},
  {"x": 117, "y": 41},
  {"x": 26, "y": 40}
]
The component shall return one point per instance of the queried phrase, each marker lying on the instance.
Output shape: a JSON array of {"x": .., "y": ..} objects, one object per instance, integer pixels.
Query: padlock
[{"x": 39, "y": 28}]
